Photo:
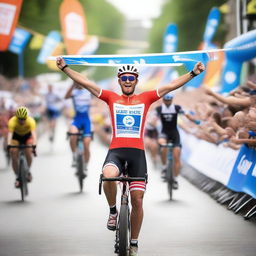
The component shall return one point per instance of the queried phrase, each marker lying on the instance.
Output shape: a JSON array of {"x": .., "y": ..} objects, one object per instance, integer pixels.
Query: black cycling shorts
[
  {"x": 135, "y": 158},
  {"x": 173, "y": 137},
  {"x": 22, "y": 139}
]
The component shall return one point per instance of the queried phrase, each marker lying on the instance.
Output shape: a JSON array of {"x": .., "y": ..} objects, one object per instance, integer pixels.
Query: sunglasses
[
  {"x": 130, "y": 78},
  {"x": 22, "y": 119}
]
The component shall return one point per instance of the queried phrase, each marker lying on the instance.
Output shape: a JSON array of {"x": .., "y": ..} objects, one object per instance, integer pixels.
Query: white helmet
[{"x": 127, "y": 69}]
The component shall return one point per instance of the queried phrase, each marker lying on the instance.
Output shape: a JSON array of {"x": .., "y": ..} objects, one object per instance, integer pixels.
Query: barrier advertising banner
[
  {"x": 243, "y": 177},
  {"x": 9, "y": 14}
]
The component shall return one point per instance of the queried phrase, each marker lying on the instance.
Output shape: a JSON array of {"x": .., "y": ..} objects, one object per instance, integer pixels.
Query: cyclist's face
[
  {"x": 128, "y": 82},
  {"x": 167, "y": 102},
  {"x": 22, "y": 120}
]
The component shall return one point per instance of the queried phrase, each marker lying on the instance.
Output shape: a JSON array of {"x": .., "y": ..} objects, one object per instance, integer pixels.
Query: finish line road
[{"x": 56, "y": 220}]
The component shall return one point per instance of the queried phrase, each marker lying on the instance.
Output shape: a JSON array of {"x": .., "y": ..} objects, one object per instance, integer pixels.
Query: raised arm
[
  {"x": 77, "y": 77},
  {"x": 69, "y": 92},
  {"x": 230, "y": 100},
  {"x": 180, "y": 81}
]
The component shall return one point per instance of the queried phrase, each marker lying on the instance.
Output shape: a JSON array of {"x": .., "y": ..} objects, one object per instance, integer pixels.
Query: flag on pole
[
  {"x": 73, "y": 25},
  {"x": 9, "y": 14}
]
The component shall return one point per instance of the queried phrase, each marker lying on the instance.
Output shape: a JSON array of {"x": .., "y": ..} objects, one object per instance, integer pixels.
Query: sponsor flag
[
  {"x": 50, "y": 43},
  {"x": 73, "y": 25},
  {"x": 36, "y": 42},
  {"x": 9, "y": 14},
  {"x": 19, "y": 40}
]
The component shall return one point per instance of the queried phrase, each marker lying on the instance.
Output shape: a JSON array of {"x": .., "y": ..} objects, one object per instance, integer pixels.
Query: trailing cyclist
[
  {"x": 168, "y": 115},
  {"x": 128, "y": 114},
  {"x": 21, "y": 131},
  {"x": 53, "y": 106},
  {"x": 81, "y": 101}
]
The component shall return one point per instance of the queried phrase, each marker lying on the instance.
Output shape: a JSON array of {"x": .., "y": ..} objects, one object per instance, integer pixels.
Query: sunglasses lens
[{"x": 130, "y": 78}]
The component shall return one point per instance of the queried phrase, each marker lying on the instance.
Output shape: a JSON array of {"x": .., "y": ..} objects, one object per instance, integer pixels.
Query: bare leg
[
  {"x": 87, "y": 141},
  {"x": 73, "y": 139},
  {"x": 137, "y": 213},
  {"x": 109, "y": 187},
  {"x": 163, "y": 150},
  {"x": 176, "y": 163},
  {"x": 14, "y": 157}
]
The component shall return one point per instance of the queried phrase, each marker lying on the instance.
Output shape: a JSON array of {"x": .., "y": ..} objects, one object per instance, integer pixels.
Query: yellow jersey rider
[{"x": 21, "y": 131}]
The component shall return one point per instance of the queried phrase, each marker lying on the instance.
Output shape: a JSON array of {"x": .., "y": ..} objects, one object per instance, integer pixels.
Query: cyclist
[
  {"x": 52, "y": 110},
  {"x": 81, "y": 101},
  {"x": 128, "y": 114},
  {"x": 168, "y": 115},
  {"x": 21, "y": 130}
]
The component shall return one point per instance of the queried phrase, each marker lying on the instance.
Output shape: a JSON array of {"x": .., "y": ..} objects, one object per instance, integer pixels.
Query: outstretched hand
[
  {"x": 60, "y": 62},
  {"x": 198, "y": 68}
]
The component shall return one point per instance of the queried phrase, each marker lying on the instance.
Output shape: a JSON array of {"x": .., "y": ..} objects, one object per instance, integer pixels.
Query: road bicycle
[
  {"x": 168, "y": 175},
  {"x": 23, "y": 169},
  {"x": 80, "y": 170},
  {"x": 123, "y": 224}
]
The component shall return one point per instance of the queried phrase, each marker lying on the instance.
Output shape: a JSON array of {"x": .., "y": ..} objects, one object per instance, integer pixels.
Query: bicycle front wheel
[
  {"x": 80, "y": 172},
  {"x": 23, "y": 179},
  {"x": 169, "y": 177},
  {"x": 124, "y": 230}
]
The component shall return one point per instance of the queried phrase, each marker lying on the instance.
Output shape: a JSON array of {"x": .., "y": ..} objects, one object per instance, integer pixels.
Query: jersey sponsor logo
[{"x": 128, "y": 120}]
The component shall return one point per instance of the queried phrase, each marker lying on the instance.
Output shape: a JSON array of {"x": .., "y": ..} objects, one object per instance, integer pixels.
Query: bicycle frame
[
  {"x": 169, "y": 171},
  {"x": 80, "y": 157},
  {"x": 23, "y": 169},
  {"x": 123, "y": 227}
]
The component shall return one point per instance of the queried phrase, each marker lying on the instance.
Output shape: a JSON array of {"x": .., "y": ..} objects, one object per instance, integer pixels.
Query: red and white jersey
[{"x": 128, "y": 115}]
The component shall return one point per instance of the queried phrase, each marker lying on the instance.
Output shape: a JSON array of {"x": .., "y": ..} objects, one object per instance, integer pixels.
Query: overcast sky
[{"x": 139, "y": 9}]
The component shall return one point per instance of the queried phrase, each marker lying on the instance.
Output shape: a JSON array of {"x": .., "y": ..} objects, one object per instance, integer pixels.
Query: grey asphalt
[{"x": 56, "y": 220}]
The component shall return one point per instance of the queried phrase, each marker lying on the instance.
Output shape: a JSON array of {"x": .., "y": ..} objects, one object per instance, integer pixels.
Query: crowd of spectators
[{"x": 229, "y": 119}]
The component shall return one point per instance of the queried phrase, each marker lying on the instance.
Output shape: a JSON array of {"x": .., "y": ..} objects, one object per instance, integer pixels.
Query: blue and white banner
[
  {"x": 19, "y": 40},
  {"x": 157, "y": 59},
  {"x": 233, "y": 168},
  {"x": 214, "y": 161},
  {"x": 243, "y": 177}
]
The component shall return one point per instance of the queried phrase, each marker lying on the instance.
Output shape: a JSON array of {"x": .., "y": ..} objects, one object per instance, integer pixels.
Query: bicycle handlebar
[
  {"x": 78, "y": 134},
  {"x": 167, "y": 145},
  {"x": 23, "y": 147},
  {"x": 122, "y": 179}
]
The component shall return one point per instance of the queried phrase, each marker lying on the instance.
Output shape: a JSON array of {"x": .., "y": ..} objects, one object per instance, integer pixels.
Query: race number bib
[{"x": 128, "y": 120}]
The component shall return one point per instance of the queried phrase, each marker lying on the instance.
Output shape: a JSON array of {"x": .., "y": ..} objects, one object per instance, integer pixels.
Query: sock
[
  {"x": 134, "y": 242},
  {"x": 113, "y": 209},
  {"x": 74, "y": 155}
]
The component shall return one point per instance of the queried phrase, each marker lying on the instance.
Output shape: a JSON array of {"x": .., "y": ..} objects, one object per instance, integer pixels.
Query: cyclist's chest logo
[
  {"x": 167, "y": 117},
  {"x": 128, "y": 120}
]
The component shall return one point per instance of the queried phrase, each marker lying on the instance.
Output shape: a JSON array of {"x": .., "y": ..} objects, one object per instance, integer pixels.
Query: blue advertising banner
[
  {"x": 246, "y": 45},
  {"x": 243, "y": 176},
  {"x": 19, "y": 40},
  {"x": 212, "y": 24},
  {"x": 50, "y": 43},
  {"x": 170, "y": 40}
]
